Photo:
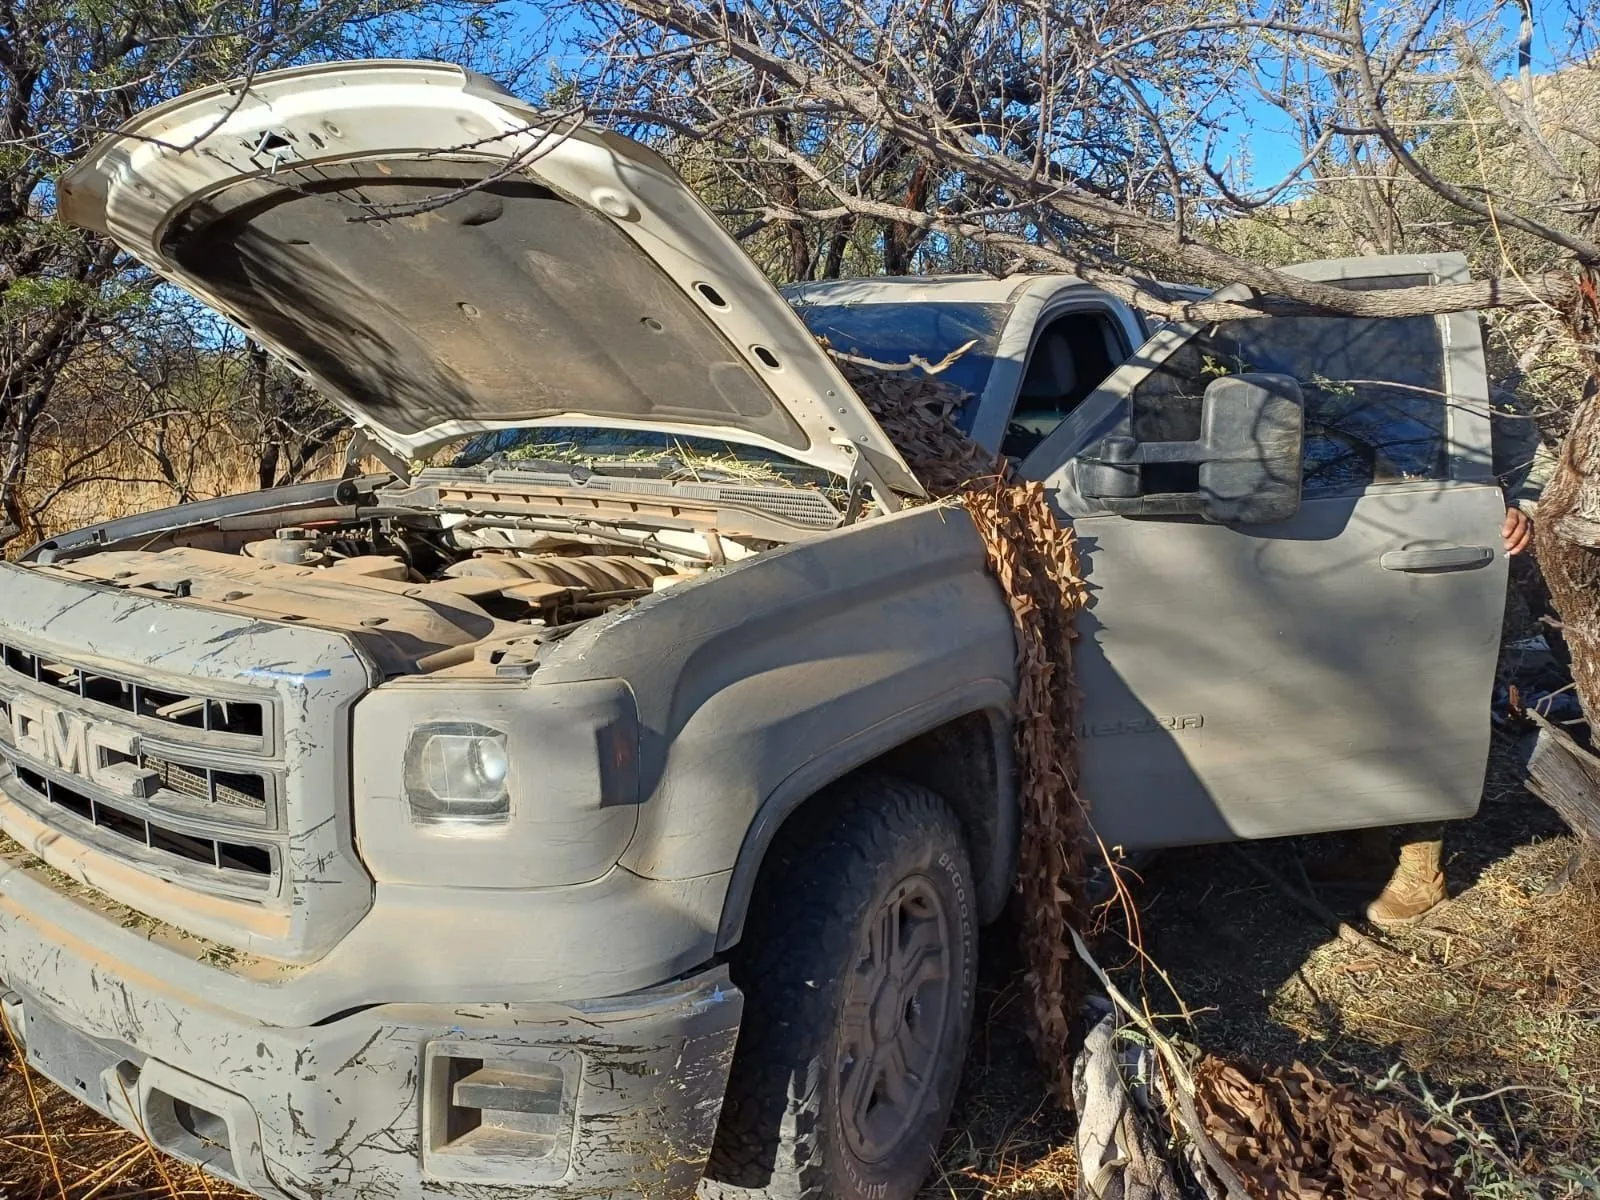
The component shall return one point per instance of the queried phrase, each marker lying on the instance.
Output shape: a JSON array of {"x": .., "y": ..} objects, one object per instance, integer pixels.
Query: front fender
[
  {"x": 761, "y": 683},
  {"x": 992, "y": 697}
]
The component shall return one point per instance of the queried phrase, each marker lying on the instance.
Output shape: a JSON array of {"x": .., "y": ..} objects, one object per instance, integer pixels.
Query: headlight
[
  {"x": 465, "y": 784},
  {"x": 455, "y": 774}
]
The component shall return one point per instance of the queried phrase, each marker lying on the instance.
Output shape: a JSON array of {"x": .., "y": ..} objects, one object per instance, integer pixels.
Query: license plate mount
[{"x": 68, "y": 1057}]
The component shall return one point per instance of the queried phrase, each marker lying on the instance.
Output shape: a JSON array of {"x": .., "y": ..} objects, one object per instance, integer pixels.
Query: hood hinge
[
  {"x": 363, "y": 443},
  {"x": 863, "y": 476}
]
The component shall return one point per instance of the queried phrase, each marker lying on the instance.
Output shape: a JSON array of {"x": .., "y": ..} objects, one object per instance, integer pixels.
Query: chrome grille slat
[
  {"x": 165, "y": 807},
  {"x": 225, "y": 796},
  {"x": 198, "y": 802},
  {"x": 235, "y": 721},
  {"x": 243, "y": 870}
]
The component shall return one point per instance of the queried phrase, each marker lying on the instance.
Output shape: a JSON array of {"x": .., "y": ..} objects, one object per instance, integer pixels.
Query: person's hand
[{"x": 1517, "y": 531}]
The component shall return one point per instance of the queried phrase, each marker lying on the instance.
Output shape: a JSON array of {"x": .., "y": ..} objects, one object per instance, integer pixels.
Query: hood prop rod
[{"x": 864, "y": 475}]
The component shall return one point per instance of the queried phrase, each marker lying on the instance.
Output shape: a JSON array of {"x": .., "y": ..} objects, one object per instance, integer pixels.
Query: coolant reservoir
[{"x": 295, "y": 545}]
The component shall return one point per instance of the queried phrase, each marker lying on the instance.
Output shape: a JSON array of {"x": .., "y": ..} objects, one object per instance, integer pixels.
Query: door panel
[
  {"x": 1254, "y": 683},
  {"x": 1328, "y": 672}
]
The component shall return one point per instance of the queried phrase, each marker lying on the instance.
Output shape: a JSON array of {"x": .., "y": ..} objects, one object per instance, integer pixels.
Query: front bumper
[{"x": 616, "y": 1096}]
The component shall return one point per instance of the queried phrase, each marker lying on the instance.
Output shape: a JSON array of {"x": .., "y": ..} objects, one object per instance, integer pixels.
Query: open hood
[{"x": 440, "y": 259}]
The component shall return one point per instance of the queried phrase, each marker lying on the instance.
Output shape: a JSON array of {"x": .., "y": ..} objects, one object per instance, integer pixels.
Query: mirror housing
[{"x": 1252, "y": 434}]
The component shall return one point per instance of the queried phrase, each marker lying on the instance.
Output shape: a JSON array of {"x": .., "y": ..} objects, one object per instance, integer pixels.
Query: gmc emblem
[{"x": 70, "y": 742}]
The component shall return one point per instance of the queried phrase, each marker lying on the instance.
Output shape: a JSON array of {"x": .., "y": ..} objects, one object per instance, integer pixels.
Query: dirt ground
[{"x": 1491, "y": 1007}]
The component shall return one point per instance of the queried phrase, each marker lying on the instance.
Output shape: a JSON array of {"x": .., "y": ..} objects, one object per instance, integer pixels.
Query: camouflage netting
[
  {"x": 1035, "y": 560},
  {"x": 1292, "y": 1134}
]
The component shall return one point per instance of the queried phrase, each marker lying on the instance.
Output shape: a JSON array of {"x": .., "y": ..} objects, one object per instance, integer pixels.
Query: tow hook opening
[
  {"x": 186, "y": 1129},
  {"x": 208, "y": 1127},
  {"x": 499, "y": 1111},
  {"x": 199, "y": 1121}
]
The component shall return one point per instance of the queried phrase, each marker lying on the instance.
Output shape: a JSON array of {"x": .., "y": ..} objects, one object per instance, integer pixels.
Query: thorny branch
[{"x": 973, "y": 112}]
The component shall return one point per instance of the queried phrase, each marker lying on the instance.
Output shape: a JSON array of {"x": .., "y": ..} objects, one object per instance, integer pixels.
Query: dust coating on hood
[
  {"x": 506, "y": 303},
  {"x": 385, "y": 319}
]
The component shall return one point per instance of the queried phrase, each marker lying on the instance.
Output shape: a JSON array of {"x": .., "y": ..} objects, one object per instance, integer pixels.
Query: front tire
[{"x": 858, "y": 965}]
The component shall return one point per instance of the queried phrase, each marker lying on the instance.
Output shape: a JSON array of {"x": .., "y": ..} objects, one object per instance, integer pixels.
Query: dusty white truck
[{"x": 586, "y": 823}]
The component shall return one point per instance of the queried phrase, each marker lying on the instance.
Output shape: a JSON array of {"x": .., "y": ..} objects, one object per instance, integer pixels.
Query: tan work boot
[{"x": 1416, "y": 888}]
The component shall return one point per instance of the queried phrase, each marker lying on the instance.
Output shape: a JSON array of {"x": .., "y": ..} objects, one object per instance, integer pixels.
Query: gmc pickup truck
[{"x": 565, "y": 818}]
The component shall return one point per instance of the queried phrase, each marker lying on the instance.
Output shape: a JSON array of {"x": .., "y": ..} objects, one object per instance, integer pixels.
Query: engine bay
[
  {"x": 466, "y": 571},
  {"x": 420, "y": 594}
]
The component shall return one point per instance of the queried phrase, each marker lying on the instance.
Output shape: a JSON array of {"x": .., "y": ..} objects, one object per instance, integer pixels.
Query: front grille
[
  {"x": 132, "y": 829},
  {"x": 245, "y": 793},
  {"x": 184, "y": 785},
  {"x": 237, "y": 719}
]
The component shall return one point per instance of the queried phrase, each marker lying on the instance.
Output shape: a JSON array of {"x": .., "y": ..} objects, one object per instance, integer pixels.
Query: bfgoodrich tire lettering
[{"x": 857, "y": 963}]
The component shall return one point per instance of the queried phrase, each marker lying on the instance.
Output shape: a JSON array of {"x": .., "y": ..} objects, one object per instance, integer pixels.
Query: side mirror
[{"x": 1252, "y": 431}]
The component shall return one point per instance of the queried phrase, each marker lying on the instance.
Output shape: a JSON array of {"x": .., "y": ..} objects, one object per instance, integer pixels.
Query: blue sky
[{"x": 1272, "y": 146}]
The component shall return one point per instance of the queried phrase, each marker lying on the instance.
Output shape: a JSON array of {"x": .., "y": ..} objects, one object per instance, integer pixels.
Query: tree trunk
[
  {"x": 1569, "y": 515},
  {"x": 270, "y": 448},
  {"x": 267, "y": 466},
  {"x": 1572, "y": 572},
  {"x": 1567, "y": 778},
  {"x": 22, "y": 408},
  {"x": 838, "y": 243},
  {"x": 10, "y": 516},
  {"x": 308, "y": 449}
]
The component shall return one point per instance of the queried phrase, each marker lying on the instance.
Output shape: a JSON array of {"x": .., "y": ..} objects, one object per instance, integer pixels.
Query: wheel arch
[{"x": 958, "y": 746}]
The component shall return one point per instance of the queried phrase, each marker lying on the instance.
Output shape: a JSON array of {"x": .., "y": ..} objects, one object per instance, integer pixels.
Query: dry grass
[
  {"x": 1007, "y": 1138},
  {"x": 106, "y": 501},
  {"x": 1488, "y": 1014},
  {"x": 1487, "y": 1017},
  {"x": 79, "y": 476},
  {"x": 72, "y": 482},
  {"x": 54, "y": 1148}
]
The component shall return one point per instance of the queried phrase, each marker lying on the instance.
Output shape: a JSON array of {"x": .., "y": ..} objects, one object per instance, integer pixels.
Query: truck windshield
[
  {"x": 641, "y": 453},
  {"x": 892, "y": 333}
]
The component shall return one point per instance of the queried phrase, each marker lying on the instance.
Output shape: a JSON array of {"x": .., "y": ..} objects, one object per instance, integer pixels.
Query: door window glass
[{"x": 1374, "y": 393}]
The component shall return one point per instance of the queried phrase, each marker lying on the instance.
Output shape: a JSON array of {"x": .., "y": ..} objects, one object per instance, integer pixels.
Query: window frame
[
  {"x": 1120, "y": 349},
  {"x": 1467, "y": 424},
  {"x": 1035, "y": 310}
]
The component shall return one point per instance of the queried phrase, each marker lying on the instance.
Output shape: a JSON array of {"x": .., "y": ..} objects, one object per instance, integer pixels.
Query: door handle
[{"x": 1438, "y": 558}]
